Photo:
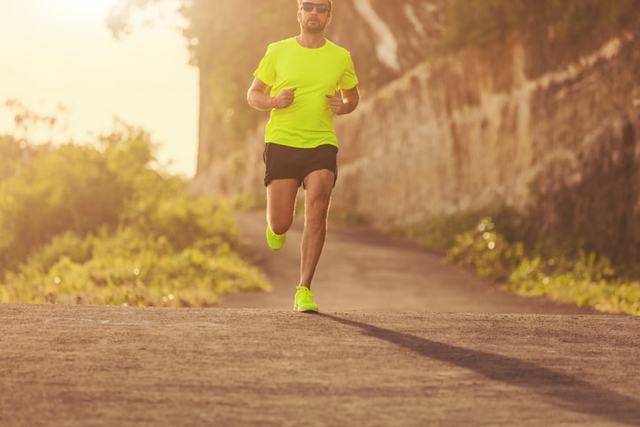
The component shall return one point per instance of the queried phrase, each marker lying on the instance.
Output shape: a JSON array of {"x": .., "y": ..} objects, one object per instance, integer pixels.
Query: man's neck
[{"x": 310, "y": 40}]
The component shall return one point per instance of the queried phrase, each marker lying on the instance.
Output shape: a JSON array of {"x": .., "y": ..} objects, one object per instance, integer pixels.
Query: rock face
[
  {"x": 459, "y": 132},
  {"x": 445, "y": 132}
]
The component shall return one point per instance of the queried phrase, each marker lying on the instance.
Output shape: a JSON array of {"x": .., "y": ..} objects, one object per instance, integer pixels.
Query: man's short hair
[{"x": 301, "y": 1}]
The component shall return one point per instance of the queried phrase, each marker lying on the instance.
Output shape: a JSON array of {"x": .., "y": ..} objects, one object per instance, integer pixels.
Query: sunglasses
[{"x": 319, "y": 7}]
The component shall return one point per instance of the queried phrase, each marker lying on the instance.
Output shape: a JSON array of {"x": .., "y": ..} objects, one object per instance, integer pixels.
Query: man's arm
[
  {"x": 345, "y": 102},
  {"x": 258, "y": 97}
]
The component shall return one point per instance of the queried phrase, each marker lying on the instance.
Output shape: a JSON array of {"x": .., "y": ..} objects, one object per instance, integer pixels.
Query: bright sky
[{"x": 60, "y": 52}]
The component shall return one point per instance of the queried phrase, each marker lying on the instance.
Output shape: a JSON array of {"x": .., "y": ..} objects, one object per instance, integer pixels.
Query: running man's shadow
[{"x": 561, "y": 390}]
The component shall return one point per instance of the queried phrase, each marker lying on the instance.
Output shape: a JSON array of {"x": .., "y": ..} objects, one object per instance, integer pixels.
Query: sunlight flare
[{"x": 85, "y": 8}]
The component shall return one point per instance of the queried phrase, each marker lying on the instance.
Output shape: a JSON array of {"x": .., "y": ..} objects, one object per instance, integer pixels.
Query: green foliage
[
  {"x": 440, "y": 232},
  {"x": 566, "y": 22},
  {"x": 67, "y": 189},
  {"x": 480, "y": 22},
  {"x": 228, "y": 39},
  {"x": 487, "y": 250},
  {"x": 133, "y": 268},
  {"x": 11, "y": 156},
  {"x": 591, "y": 283},
  {"x": 94, "y": 225},
  {"x": 66, "y": 245},
  {"x": 249, "y": 200},
  {"x": 589, "y": 280},
  {"x": 165, "y": 207}
]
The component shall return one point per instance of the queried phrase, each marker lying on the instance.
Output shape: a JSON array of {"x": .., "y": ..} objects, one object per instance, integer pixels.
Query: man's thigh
[{"x": 281, "y": 198}]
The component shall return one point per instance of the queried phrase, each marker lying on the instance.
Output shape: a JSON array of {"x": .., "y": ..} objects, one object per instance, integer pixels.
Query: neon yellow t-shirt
[{"x": 315, "y": 73}]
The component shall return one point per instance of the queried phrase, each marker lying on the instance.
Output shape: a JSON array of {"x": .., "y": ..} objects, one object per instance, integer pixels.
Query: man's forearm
[{"x": 259, "y": 100}]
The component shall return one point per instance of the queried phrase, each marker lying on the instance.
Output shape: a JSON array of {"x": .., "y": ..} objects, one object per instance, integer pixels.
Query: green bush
[
  {"x": 590, "y": 280},
  {"x": 440, "y": 232},
  {"x": 487, "y": 250},
  {"x": 11, "y": 156},
  {"x": 566, "y": 22},
  {"x": 168, "y": 209},
  {"x": 591, "y": 283},
  {"x": 70, "y": 188},
  {"x": 68, "y": 245},
  {"x": 132, "y": 268},
  {"x": 99, "y": 225},
  {"x": 249, "y": 201}
]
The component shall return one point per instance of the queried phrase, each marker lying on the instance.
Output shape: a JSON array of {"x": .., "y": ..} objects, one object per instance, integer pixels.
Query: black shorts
[{"x": 283, "y": 162}]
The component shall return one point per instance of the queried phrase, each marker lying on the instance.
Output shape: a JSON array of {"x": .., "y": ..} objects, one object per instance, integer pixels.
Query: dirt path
[
  {"x": 364, "y": 270},
  {"x": 110, "y": 366}
]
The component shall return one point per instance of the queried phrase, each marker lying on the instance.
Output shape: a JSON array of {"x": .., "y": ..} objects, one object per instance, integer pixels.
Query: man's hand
[
  {"x": 336, "y": 103},
  {"x": 284, "y": 99}
]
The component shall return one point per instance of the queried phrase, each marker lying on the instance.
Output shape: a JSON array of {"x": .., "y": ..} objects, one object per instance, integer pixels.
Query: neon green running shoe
[
  {"x": 275, "y": 241},
  {"x": 303, "y": 301}
]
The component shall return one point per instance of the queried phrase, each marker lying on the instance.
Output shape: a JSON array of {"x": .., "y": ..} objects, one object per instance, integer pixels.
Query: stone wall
[
  {"x": 472, "y": 131},
  {"x": 468, "y": 130}
]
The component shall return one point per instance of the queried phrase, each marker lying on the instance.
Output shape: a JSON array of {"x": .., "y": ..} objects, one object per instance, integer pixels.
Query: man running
[{"x": 304, "y": 81}]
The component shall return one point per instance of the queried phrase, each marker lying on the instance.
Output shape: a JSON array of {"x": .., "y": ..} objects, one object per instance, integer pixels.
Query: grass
[
  {"x": 588, "y": 279},
  {"x": 99, "y": 225}
]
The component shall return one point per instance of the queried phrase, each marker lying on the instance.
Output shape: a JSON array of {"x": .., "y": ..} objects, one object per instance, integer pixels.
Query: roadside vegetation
[
  {"x": 554, "y": 33},
  {"x": 479, "y": 23},
  {"x": 100, "y": 225},
  {"x": 531, "y": 268}
]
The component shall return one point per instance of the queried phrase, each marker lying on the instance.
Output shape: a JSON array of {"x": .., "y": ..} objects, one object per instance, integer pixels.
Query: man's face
[{"x": 314, "y": 15}]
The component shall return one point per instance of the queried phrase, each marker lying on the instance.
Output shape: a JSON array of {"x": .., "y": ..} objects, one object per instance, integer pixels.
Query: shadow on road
[{"x": 560, "y": 389}]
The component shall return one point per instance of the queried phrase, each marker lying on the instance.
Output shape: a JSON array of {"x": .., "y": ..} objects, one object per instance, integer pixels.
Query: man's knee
[
  {"x": 317, "y": 207},
  {"x": 280, "y": 224}
]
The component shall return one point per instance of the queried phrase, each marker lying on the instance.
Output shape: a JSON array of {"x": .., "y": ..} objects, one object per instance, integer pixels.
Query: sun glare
[{"x": 84, "y": 8}]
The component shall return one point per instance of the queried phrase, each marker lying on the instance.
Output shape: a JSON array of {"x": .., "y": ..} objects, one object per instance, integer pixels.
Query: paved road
[
  {"x": 403, "y": 339},
  {"x": 364, "y": 270},
  {"x": 110, "y": 366}
]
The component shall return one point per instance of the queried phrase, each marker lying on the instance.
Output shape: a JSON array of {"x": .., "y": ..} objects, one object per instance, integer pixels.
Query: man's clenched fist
[
  {"x": 336, "y": 103},
  {"x": 284, "y": 99}
]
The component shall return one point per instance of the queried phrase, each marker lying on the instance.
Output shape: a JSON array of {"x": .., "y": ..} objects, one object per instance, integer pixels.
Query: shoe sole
[{"x": 305, "y": 308}]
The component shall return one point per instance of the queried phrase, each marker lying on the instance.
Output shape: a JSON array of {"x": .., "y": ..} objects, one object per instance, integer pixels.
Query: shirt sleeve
[
  {"x": 349, "y": 79},
  {"x": 266, "y": 71}
]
